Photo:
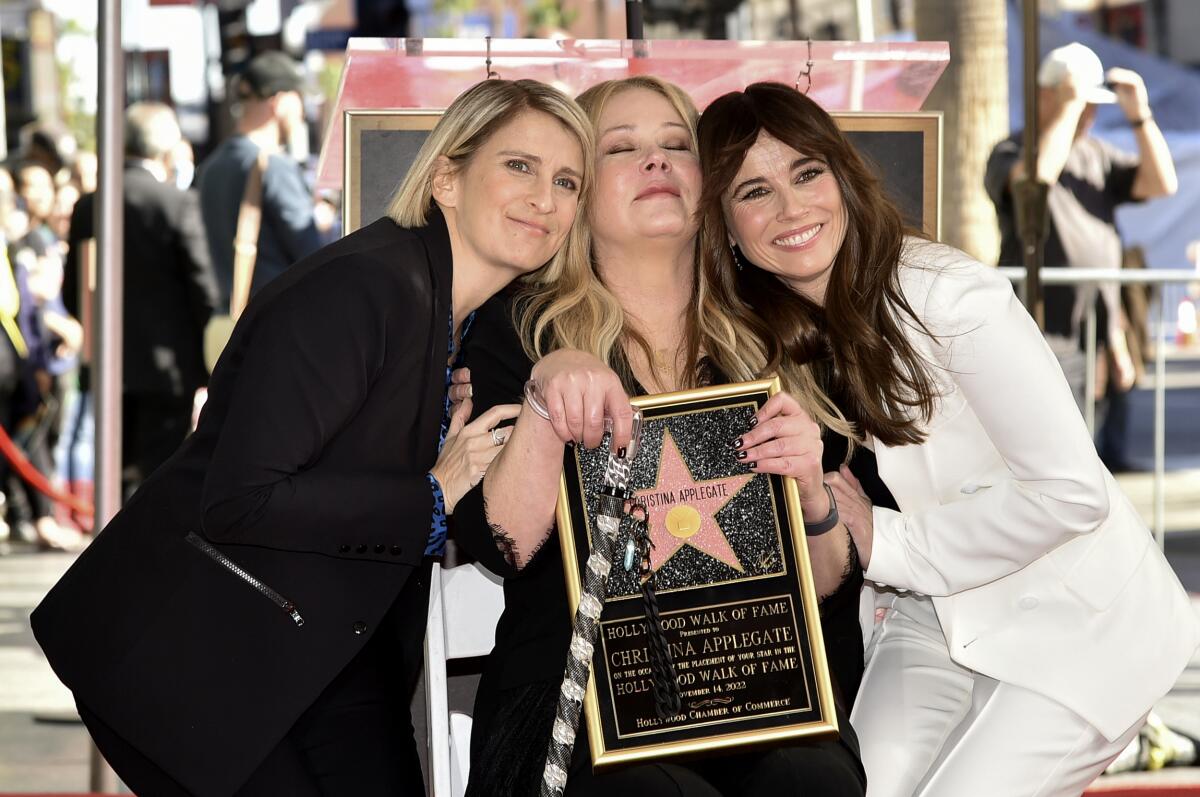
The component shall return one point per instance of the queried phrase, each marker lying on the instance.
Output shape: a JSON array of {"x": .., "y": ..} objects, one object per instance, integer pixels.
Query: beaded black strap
[{"x": 663, "y": 682}]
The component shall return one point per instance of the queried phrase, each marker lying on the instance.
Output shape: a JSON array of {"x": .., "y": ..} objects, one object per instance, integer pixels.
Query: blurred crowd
[
  {"x": 180, "y": 221},
  {"x": 43, "y": 341}
]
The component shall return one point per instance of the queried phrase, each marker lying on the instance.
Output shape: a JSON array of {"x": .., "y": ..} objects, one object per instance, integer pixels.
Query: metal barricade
[{"x": 1160, "y": 328}]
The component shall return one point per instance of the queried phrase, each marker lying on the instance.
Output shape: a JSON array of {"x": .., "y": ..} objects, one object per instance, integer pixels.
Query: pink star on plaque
[{"x": 683, "y": 510}]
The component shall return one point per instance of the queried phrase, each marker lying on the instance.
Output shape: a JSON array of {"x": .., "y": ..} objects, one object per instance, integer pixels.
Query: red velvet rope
[{"x": 35, "y": 478}]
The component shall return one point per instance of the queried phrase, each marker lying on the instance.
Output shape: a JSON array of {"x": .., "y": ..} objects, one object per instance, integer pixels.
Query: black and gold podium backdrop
[
  {"x": 905, "y": 149},
  {"x": 735, "y": 592}
]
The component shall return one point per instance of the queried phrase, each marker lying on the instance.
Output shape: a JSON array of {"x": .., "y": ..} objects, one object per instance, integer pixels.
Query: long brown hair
[{"x": 855, "y": 342}]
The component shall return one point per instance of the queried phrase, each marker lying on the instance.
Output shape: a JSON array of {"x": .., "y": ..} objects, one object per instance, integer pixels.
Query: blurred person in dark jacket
[
  {"x": 169, "y": 291},
  {"x": 270, "y": 115}
]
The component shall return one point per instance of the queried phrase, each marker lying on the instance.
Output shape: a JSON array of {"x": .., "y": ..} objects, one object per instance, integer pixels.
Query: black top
[
  {"x": 169, "y": 288},
  {"x": 1082, "y": 205},
  {"x": 535, "y": 628},
  {"x": 308, "y": 472}
]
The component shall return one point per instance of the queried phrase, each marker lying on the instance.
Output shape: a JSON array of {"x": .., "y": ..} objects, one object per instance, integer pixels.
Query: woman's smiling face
[
  {"x": 785, "y": 210},
  {"x": 515, "y": 200}
]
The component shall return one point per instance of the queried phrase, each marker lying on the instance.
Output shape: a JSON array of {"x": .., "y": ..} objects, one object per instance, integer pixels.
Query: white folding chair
[{"x": 465, "y": 603}]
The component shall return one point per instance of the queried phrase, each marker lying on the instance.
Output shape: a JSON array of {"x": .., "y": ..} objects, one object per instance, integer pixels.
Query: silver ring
[{"x": 497, "y": 440}]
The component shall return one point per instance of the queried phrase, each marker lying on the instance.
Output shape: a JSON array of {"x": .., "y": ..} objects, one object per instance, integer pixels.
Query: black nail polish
[
  {"x": 621, "y": 452},
  {"x": 753, "y": 421},
  {"x": 738, "y": 443},
  {"x": 751, "y": 465},
  {"x": 741, "y": 455}
]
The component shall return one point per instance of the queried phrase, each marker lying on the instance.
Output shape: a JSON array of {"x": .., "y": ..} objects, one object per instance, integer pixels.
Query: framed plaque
[
  {"x": 380, "y": 146},
  {"x": 905, "y": 152},
  {"x": 733, "y": 582}
]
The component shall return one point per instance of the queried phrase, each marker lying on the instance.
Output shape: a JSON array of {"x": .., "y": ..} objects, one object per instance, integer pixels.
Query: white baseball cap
[{"x": 1077, "y": 61}]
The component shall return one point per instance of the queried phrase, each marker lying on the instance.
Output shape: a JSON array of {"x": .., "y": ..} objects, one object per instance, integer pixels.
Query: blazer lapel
[{"x": 436, "y": 239}]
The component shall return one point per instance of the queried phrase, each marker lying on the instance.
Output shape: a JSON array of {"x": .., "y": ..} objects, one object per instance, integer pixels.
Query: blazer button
[
  {"x": 1028, "y": 602},
  {"x": 360, "y": 627},
  {"x": 343, "y": 548},
  {"x": 396, "y": 549},
  {"x": 380, "y": 548},
  {"x": 361, "y": 549}
]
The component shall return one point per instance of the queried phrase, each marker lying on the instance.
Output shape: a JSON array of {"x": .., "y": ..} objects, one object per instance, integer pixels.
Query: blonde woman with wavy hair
[{"x": 628, "y": 313}]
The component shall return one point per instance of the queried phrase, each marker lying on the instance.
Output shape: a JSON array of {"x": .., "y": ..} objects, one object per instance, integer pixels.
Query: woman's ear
[{"x": 444, "y": 183}]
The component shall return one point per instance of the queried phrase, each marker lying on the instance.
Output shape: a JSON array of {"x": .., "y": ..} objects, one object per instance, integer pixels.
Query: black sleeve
[
  {"x": 1120, "y": 173},
  {"x": 79, "y": 232},
  {"x": 194, "y": 258},
  {"x": 499, "y": 368},
  {"x": 309, "y": 363}
]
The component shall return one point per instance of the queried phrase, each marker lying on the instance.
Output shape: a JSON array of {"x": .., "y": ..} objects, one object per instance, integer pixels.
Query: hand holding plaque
[{"x": 735, "y": 593}]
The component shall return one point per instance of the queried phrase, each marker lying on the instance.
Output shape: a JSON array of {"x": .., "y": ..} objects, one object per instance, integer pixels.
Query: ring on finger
[{"x": 497, "y": 438}]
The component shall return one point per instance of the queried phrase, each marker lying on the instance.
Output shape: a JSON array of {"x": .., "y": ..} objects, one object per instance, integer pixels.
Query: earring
[{"x": 737, "y": 257}]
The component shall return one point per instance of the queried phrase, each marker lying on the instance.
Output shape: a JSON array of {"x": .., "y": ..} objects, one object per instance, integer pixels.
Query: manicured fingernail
[
  {"x": 470, "y": 391},
  {"x": 738, "y": 443},
  {"x": 753, "y": 421},
  {"x": 751, "y": 465},
  {"x": 621, "y": 452},
  {"x": 741, "y": 455}
]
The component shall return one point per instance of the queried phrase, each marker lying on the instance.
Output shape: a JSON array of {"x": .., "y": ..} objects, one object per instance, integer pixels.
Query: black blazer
[
  {"x": 308, "y": 471},
  {"x": 170, "y": 291}
]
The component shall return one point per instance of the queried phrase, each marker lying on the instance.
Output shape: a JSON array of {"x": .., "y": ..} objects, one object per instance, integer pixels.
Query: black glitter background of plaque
[{"x": 747, "y": 520}]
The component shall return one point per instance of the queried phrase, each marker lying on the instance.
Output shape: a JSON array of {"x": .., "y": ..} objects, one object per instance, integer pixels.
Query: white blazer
[{"x": 1041, "y": 571}]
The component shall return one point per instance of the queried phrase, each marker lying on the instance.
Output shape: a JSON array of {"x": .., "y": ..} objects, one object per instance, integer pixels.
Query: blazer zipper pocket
[{"x": 233, "y": 567}]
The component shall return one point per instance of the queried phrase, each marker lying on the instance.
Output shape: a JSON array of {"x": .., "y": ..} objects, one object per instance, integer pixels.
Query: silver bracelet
[{"x": 533, "y": 395}]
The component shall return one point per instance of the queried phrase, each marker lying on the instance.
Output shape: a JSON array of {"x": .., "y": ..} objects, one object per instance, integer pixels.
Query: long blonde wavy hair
[{"x": 574, "y": 309}]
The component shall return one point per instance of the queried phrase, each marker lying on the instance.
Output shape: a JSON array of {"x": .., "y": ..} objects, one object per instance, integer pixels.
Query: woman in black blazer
[{"x": 250, "y": 623}]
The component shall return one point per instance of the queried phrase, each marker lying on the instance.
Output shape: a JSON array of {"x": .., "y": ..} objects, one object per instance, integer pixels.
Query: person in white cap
[{"x": 1088, "y": 180}]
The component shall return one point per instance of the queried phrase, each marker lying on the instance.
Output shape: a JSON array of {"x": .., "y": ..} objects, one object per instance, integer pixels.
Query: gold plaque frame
[
  {"x": 925, "y": 124},
  {"x": 782, "y": 490},
  {"x": 358, "y": 122}
]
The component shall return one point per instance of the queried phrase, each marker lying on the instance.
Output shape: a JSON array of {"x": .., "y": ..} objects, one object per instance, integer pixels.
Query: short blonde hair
[
  {"x": 151, "y": 130},
  {"x": 469, "y": 122}
]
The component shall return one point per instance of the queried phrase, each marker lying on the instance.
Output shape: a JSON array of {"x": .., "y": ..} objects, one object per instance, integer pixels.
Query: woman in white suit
[{"x": 1021, "y": 622}]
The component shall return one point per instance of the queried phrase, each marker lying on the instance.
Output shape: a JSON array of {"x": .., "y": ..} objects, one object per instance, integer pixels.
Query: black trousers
[
  {"x": 356, "y": 740},
  {"x": 511, "y": 731}
]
